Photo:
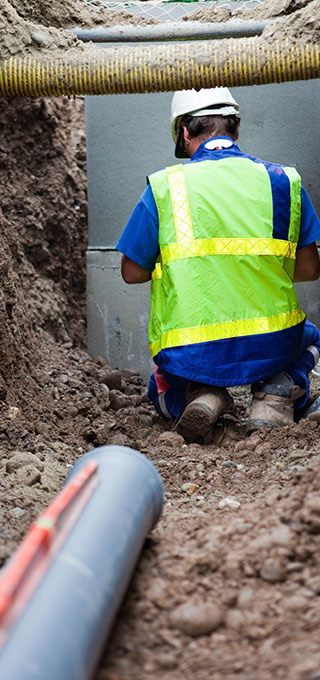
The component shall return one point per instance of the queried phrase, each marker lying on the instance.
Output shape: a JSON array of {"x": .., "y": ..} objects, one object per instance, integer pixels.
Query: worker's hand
[
  {"x": 132, "y": 272},
  {"x": 307, "y": 264}
]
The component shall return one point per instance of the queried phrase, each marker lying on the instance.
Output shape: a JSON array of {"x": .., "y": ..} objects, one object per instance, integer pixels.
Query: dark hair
[{"x": 199, "y": 126}]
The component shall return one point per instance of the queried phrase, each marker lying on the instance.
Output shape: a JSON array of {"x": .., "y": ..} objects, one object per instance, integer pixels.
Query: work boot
[
  {"x": 201, "y": 414},
  {"x": 273, "y": 402}
]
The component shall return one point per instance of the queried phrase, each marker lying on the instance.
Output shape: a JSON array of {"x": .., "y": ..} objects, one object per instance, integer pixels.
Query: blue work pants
[{"x": 170, "y": 403}]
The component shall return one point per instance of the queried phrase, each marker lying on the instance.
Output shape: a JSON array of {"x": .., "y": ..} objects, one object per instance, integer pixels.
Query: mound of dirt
[
  {"x": 75, "y": 13},
  {"x": 210, "y": 13},
  {"x": 300, "y": 27},
  {"x": 273, "y": 8},
  {"x": 37, "y": 27},
  {"x": 68, "y": 14},
  {"x": 297, "y": 21}
]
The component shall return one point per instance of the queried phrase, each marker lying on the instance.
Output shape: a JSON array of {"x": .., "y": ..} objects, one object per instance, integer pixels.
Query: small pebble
[
  {"x": 105, "y": 389},
  {"x": 272, "y": 571},
  {"x": 229, "y": 503},
  {"x": 296, "y": 603},
  {"x": 235, "y": 619},
  {"x": 73, "y": 411},
  {"x": 20, "y": 459},
  {"x": 119, "y": 400},
  {"x": 17, "y": 512},
  {"x": 145, "y": 420},
  {"x": 167, "y": 660},
  {"x": 28, "y": 475},
  {"x": 42, "y": 428},
  {"x": 40, "y": 37},
  {"x": 13, "y": 412},
  {"x": 283, "y": 535},
  {"x": 158, "y": 593},
  {"x": 190, "y": 488},
  {"x": 112, "y": 378},
  {"x": 172, "y": 439},
  {"x": 263, "y": 449},
  {"x": 64, "y": 378},
  {"x": 60, "y": 447},
  {"x": 196, "y": 618},
  {"x": 239, "y": 446},
  {"x": 252, "y": 442},
  {"x": 42, "y": 378}
]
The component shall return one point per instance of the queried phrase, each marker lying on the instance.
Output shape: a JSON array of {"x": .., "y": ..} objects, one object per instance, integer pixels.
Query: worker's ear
[{"x": 186, "y": 136}]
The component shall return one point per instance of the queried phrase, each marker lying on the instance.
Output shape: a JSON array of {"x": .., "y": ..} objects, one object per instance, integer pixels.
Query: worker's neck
[{"x": 213, "y": 142}]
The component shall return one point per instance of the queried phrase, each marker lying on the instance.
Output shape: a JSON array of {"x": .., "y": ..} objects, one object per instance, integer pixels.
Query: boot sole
[
  {"x": 255, "y": 424},
  {"x": 196, "y": 422}
]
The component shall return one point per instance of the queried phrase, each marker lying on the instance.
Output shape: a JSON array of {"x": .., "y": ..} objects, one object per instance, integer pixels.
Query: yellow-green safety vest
[{"x": 220, "y": 272}]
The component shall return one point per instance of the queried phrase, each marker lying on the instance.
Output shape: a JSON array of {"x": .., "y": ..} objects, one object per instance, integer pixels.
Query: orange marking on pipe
[{"x": 47, "y": 533}]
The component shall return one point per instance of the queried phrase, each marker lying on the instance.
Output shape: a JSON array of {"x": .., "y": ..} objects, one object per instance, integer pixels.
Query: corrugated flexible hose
[{"x": 159, "y": 68}]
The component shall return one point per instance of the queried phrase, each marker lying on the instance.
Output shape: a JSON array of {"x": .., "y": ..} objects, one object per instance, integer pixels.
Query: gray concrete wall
[
  {"x": 117, "y": 314},
  {"x": 128, "y": 137}
]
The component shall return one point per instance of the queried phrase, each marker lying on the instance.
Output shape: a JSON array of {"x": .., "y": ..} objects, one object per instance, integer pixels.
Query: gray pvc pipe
[
  {"x": 182, "y": 30},
  {"x": 62, "y": 632}
]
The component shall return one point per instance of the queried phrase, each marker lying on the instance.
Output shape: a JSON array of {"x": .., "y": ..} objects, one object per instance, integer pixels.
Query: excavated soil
[
  {"x": 295, "y": 21},
  {"x": 228, "y": 582},
  {"x": 39, "y": 28}
]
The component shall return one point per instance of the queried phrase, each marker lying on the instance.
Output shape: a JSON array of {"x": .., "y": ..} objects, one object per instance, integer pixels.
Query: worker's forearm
[
  {"x": 307, "y": 264},
  {"x": 301, "y": 278},
  {"x": 132, "y": 272}
]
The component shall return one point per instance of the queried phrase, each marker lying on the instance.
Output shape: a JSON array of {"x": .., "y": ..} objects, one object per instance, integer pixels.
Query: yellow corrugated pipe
[{"x": 159, "y": 68}]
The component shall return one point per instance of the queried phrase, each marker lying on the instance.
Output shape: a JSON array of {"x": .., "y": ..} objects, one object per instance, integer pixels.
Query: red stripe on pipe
[{"x": 36, "y": 552}]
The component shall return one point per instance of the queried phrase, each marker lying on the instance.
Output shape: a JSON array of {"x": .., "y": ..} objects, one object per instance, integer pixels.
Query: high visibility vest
[{"x": 221, "y": 273}]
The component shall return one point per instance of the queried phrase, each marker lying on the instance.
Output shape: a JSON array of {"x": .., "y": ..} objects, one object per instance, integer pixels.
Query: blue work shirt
[{"x": 232, "y": 361}]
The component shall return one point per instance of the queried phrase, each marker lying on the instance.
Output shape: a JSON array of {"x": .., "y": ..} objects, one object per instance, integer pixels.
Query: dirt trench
[{"x": 228, "y": 583}]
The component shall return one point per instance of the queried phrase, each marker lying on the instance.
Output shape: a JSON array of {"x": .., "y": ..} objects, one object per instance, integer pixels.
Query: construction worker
[{"x": 223, "y": 237}]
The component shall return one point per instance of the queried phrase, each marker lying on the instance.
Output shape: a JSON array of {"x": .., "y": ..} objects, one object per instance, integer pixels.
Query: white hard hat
[{"x": 206, "y": 102}]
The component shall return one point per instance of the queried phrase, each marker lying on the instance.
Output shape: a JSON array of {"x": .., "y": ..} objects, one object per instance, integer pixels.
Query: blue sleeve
[
  {"x": 140, "y": 238},
  {"x": 310, "y": 223}
]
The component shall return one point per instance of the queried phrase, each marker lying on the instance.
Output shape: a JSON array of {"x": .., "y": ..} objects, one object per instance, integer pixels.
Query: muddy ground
[{"x": 228, "y": 585}]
